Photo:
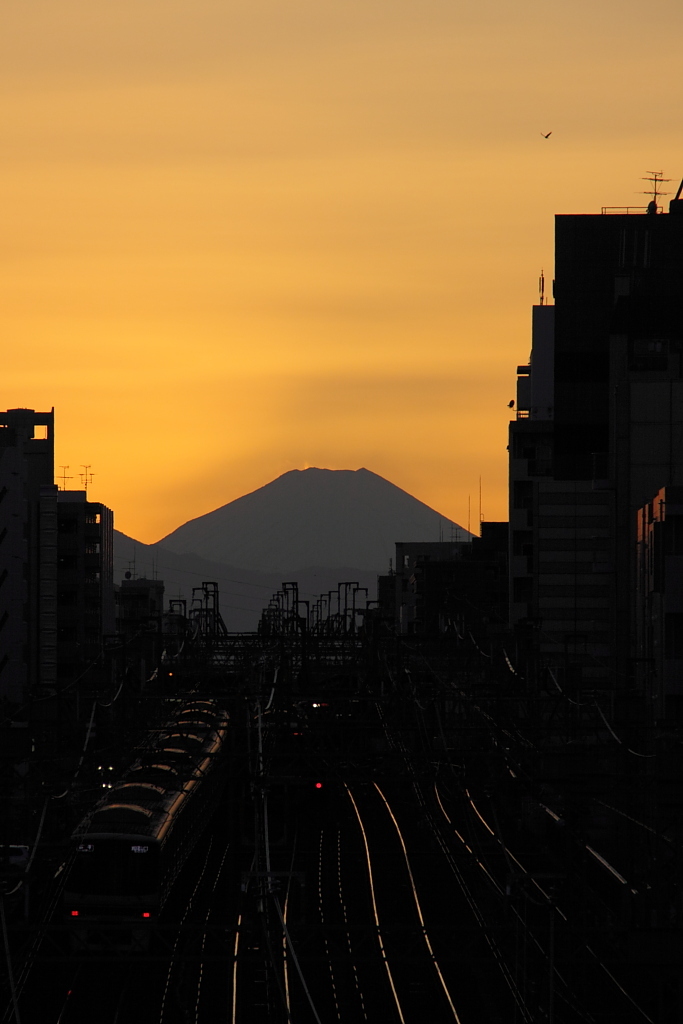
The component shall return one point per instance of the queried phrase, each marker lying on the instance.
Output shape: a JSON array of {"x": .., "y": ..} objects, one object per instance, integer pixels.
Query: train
[{"x": 128, "y": 851}]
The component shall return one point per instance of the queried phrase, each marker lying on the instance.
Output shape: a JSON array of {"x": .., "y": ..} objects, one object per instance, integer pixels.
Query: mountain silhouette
[{"x": 313, "y": 517}]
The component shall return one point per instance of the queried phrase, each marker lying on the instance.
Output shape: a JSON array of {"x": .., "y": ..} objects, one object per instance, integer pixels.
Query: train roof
[
  {"x": 120, "y": 818},
  {"x": 155, "y": 788},
  {"x": 142, "y": 794}
]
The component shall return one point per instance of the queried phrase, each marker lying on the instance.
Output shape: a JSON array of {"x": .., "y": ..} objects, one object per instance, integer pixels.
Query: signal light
[
  {"x": 318, "y": 785},
  {"x": 74, "y": 913},
  {"x": 146, "y": 913}
]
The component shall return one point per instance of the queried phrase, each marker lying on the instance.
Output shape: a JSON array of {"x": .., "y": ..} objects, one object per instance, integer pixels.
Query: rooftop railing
[{"x": 627, "y": 209}]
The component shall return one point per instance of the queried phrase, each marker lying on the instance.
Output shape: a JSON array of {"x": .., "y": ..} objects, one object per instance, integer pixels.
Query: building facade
[
  {"x": 26, "y": 465},
  {"x": 659, "y": 603},
  {"x": 592, "y": 448},
  {"x": 85, "y": 587},
  {"x": 449, "y": 586},
  {"x": 56, "y": 568}
]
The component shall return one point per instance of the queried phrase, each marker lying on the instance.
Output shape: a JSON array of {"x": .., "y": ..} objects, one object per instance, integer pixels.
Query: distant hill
[
  {"x": 243, "y": 592},
  {"x": 313, "y": 517}
]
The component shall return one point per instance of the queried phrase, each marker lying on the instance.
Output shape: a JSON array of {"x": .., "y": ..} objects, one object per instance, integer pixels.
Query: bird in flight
[
  {"x": 546, "y": 136},
  {"x": 511, "y": 404}
]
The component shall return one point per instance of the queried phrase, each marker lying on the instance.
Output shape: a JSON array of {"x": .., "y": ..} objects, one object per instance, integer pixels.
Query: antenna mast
[
  {"x": 657, "y": 178},
  {"x": 86, "y": 476}
]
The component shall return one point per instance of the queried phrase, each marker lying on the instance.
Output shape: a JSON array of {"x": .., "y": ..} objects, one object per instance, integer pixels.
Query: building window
[
  {"x": 523, "y": 494},
  {"x": 522, "y": 589},
  {"x": 673, "y": 642},
  {"x": 522, "y": 542},
  {"x": 674, "y": 535},
  {"x": 649, "y": 354}
]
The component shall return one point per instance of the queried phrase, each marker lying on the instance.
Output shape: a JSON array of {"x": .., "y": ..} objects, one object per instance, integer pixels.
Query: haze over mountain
[
  {"x": 243, "y": 593},
  {"x": 313, "y": 517}
]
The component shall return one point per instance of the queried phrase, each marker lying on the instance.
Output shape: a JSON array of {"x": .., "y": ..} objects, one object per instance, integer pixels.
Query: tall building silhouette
[
  {"x": 56, "y": 576},
  {"x": 26, "y": 465},
  {"x": 599, "y": 431},
  {"x": 84, "y": 589}
]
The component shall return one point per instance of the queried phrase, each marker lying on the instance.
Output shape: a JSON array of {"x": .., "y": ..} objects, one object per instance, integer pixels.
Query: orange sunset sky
[{"x": 246, "y": 236}]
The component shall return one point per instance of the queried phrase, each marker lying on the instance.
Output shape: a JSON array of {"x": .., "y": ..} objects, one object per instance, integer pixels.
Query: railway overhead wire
[{"x": 370, "y": 859}]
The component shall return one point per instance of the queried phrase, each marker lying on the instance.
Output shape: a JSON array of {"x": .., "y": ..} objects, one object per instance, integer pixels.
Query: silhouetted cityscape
[{"x": 323, "y": 754}]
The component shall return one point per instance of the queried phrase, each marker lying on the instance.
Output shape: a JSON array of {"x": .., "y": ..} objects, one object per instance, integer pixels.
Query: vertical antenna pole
[
  {"x": 656, "y": 178},
  {"x": 86, "y": 476}
]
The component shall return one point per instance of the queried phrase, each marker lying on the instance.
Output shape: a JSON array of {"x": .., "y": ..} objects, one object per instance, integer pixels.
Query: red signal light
[
  {"x": 74, "y": 913},
  {"x": 146, "y": 913},
  {"x": 318, "y": 785}
]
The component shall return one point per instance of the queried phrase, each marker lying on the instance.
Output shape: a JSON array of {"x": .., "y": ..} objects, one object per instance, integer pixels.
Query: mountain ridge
[{"x": 312, "y": 517}]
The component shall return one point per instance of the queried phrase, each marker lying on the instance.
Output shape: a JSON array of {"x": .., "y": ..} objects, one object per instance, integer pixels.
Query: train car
[{"x": 129, "y": 850}]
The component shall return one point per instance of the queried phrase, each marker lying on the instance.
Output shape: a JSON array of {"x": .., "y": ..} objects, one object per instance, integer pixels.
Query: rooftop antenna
[
  {"x": 481, "y": 518},
  {"x": 541, "y": 288},
  {"x": 657, "y": 178},
  {"x": 86, "y": 476},
  {"x": 63, "y": 477}
]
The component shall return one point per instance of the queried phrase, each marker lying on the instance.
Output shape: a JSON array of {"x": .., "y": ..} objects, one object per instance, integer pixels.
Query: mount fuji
[{"x": 316, "y": 526}]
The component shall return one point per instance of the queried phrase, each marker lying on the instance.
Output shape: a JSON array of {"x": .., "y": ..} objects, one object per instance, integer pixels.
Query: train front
[{"x": 112, "y": 892}]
